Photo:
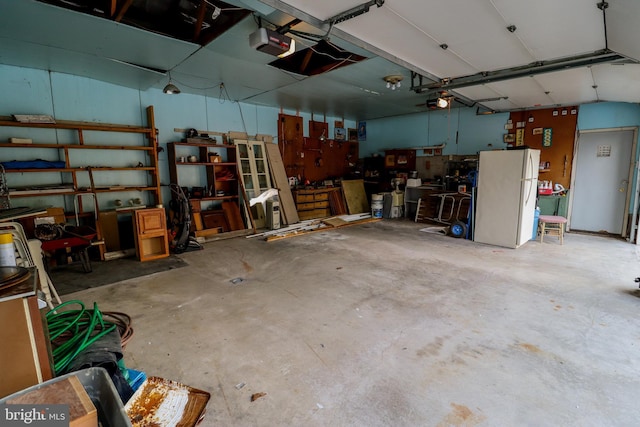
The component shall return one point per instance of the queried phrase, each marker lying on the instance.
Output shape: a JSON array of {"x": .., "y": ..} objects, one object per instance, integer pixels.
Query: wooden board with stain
[
  {"x": 233, "y": 216},
  {"x": 279, "y": 175},
  {"x": 334, "y": 222},
  {"x": 355, "y": 196},
  {"x": 164, "y": 402}
]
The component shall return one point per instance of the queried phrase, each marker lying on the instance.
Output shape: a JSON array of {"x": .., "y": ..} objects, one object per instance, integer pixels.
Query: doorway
[{"x": 600, "y": 188}]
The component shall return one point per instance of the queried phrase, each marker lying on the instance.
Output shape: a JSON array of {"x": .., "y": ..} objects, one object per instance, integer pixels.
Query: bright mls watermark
[{"x": 34, "y": 415}]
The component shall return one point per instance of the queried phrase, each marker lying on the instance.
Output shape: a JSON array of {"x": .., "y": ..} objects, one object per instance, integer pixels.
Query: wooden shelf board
[
  {"x": 115, "y": 168},
  {"x": 44, "y": 170},
  {"x": 95, "y": 169},
  {"x": 121, "y": 189},
  {"x": 213, "y": 199},
  {"x": 67, "y": 124},
  {"x": 204, "y": 163},
  {"x": 202, "y": 144},
  {"x": 79, "y": 146}
]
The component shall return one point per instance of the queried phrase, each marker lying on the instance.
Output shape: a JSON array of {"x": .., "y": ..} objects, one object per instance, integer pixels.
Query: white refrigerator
[{"x": 506, "y": 197}]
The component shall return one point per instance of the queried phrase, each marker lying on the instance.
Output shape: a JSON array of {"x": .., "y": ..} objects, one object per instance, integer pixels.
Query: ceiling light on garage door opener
[
  {"x": 442, "y": 102},
  {"x": 393, "y": 81}
]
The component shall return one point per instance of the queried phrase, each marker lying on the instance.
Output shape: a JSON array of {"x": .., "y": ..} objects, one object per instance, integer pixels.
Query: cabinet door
[
  {"x": 151, "y": 234},
  {"x": 254, "y": 169}
]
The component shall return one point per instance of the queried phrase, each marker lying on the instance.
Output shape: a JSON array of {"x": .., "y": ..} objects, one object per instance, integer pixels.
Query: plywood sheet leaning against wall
[
  {"x": 355, "y": 196},
  {"x": 281, "y": 182}
]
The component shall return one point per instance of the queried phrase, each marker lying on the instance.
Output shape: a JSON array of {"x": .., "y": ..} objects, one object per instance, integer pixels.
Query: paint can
[
  {"x": 7, "y": 251},
  {"x": 376, "y": 205}
]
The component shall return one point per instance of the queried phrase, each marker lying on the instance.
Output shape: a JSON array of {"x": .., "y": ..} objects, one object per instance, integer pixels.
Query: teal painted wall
[
  {"x": 68, "y": 97},
  {"x": 30, "y": 91},
  {"x": 607, "y": 115},
  {"x": 460, "y": 129}
]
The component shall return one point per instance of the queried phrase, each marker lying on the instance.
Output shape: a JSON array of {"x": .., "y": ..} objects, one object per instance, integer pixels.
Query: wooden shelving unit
[
  {"x": 222, "y": 177},
  {"x": 80, "y": 127},
  {"x": 222, "y": 188},
  {"x": 69, "y": 185}
]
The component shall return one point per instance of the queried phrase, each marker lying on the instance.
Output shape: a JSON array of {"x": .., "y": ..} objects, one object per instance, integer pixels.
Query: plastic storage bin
[
  {"x": 536, "y": 218},
  {"x": 100, "y": 389}
]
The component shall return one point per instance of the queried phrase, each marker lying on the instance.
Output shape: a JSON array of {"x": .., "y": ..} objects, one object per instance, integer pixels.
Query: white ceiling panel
[
  {"x": 568, "y": 86},
  {"x": 554, "y": 29},
  {"x": 406, "y": 42},
  {"x": 495, "y": 48},
  {"x": 617, "y": 82},
  {"x": 479, "y": 92},
  {"x": 623, "y": 31},
  {"x": 523, "y": 92},
  {"x": 500, "y": 105}
]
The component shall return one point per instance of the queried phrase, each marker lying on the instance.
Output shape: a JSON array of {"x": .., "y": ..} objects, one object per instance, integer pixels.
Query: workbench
[{"x": 554, "y": 204}]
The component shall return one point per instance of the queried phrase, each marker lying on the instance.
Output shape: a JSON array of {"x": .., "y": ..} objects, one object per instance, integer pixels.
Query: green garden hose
[{"x": 72, "y": 331}]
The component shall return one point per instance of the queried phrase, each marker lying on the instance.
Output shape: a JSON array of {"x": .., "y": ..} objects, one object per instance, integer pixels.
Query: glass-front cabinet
[{"x": 254, "y": 167}]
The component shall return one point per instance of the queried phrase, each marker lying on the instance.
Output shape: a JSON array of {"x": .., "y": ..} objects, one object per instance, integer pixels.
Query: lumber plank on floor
[{"x": 294, "y": 233}]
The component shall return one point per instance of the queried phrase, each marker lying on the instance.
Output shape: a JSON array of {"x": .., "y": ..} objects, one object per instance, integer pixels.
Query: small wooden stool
[{"x": 553, "y": 225}]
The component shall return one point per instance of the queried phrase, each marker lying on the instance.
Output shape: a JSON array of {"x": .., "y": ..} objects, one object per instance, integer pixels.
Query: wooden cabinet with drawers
[{"x": 313, "y": 203}]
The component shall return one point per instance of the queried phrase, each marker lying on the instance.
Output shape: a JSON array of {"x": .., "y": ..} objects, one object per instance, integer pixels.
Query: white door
[{"x": 601, "y": 181}]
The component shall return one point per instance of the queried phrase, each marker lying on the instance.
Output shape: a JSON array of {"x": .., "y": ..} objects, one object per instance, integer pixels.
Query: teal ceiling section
[
  {"x": 25, "y": 54},
  {"x": 243, "y": 79},
  {"x": 54, "y": 27}
]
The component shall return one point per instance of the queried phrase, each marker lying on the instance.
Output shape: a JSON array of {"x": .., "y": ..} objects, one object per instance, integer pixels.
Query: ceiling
[{"x": 490, "y": 55}]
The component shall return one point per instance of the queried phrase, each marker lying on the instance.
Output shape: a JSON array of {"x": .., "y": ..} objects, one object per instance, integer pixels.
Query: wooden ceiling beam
[
  {"x": 113, "y": 6},
  {"x": 305, "y": 61},
  {"x": 123, "y": 10},
  {"x": 202, "y": 9}
]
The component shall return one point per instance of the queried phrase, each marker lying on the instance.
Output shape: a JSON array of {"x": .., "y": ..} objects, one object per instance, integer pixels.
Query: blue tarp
[{"x": 33, "y": 164}]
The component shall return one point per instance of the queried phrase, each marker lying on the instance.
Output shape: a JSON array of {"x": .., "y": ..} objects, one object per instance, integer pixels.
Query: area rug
[{"x": 71, "y": 278}]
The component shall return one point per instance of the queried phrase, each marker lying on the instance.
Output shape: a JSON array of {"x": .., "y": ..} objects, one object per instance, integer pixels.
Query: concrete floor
[{"x": 383, "y": 325}]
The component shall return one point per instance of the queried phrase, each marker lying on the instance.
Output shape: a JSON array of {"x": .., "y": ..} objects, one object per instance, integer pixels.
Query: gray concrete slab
[{"x": 381, "y": 324}]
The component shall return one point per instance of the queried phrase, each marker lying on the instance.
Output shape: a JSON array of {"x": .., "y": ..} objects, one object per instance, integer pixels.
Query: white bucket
[
  {"x": 7, "y": 251},
  {"x": 376, "y": 205}
]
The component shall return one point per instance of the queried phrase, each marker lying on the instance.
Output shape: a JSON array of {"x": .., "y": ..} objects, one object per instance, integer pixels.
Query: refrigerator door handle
[{"x": 530, "y": 180}]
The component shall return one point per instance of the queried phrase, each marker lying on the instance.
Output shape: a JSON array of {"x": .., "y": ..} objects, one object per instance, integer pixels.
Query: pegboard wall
[
  {"x": 553, "y": 132},
  {"x": 316, "y": 157}
]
